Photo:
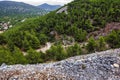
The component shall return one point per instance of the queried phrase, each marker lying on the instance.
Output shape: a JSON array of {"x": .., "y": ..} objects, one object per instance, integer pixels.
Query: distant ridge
[
  {"x": 49, "y": 7},
  {"x": 11, "y": 8}
]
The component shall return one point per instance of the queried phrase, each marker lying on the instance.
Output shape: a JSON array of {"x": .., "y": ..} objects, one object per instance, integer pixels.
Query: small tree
[
  {"x": 56, "y": 53},
  {"x": 80, "y": 35},
  {"x": 92, "y": 45},
  {"x": 74, "y": 50},
  {"x": 113, "y": 39},
  {"x": 61, "y": 53},
  {"x": 2, "y": 40},
  {"x": 10, "y": 45},
  {"x": 18, "y": 56},
  {"x": 43, "y": 39},
  {"x": 25, "y": 44},
  {"x": 102, "y": 44},
  {"x": 34, "y": 42},
  {"x": 5, "y": 56},
  {"x": 33, "y": 57}
]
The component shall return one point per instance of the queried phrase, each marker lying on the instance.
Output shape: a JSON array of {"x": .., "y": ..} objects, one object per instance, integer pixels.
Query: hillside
[
  {"x": 67, "y": 29},
  {"x": 11, "y": 8},
  {"x": 12, "y": 13},
  {"x": 49, "y": 7},
  {"x": 97, "y": 66}
]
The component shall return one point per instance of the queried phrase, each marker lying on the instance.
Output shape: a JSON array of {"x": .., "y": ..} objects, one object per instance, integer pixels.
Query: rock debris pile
[{"x": 97, "y": 66}]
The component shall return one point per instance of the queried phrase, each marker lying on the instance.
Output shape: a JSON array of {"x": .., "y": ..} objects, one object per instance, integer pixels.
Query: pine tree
[
  {"x": 92, "y": 45},
  {"x": 74, "y": 50},
  {"x": 33, "y": 57},
  {"x": 2, "y": 40},
  {"x": 102, "y": 44},
  {"x": 18, "y": 56}
]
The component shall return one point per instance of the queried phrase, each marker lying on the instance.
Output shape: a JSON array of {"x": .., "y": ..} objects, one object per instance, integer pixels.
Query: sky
[{"x": 38, "y": 2}]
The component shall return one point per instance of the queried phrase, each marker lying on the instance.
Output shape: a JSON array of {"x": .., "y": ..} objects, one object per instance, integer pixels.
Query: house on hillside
[{"x": 5, "y": 26}]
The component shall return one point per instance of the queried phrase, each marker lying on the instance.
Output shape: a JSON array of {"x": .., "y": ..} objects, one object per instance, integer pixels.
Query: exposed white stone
[
  {"x": 116, "y": 65},
  {"x": 64, "y": 9}
]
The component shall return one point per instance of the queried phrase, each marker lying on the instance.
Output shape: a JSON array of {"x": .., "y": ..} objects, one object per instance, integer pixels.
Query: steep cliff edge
[{"x": 97, "y": 66}]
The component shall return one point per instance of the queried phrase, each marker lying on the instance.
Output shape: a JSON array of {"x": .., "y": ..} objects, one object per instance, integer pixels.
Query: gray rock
[
  {"x": 97, "y": 66},
  {"x": 3, "y": 66}
]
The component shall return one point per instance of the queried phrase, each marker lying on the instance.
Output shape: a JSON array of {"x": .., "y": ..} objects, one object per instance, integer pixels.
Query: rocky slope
[{"x": 97, "y": 66}]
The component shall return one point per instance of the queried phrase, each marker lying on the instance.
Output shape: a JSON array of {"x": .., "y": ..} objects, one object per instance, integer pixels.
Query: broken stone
[
  {"x": 97, "y": 66},
  {"x": 116, "y": 65},
  {"x": 3, "y": 65}
]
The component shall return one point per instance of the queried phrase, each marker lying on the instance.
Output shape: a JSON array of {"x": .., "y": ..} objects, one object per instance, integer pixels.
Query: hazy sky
[{"x": 38, "y": 2}]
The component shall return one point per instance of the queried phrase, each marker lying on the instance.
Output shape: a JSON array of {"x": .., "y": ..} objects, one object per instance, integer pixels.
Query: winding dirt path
[{"x": 44, "y": 49}]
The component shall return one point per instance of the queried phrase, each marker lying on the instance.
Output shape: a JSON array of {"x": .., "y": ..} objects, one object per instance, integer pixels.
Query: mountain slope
[
  {"x": 97, "y": 66},
  {"x": 71, "y": 23},
  {"x": 48, "y": 7},
  {"x": 10, "y": 8},
  {"x": 83, "y": 17}
]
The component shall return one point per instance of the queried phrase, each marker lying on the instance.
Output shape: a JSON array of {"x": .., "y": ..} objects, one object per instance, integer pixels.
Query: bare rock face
[
  {"x": 97, "y": 66},
  {"x": 64, "y": 9}
]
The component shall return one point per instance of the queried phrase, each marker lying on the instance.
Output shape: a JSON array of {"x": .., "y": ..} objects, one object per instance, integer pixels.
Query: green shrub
[
  {"x": 113, "y": 39},
  {"x": 33, "y": 57},
  {"x": 92, "y": 45},
  {"x": 56, "y": 53},
  {"x": 74, "y": 50}
]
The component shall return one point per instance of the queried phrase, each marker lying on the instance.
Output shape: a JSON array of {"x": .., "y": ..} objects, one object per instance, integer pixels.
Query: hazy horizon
[{"x": 39, "y": 2}]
